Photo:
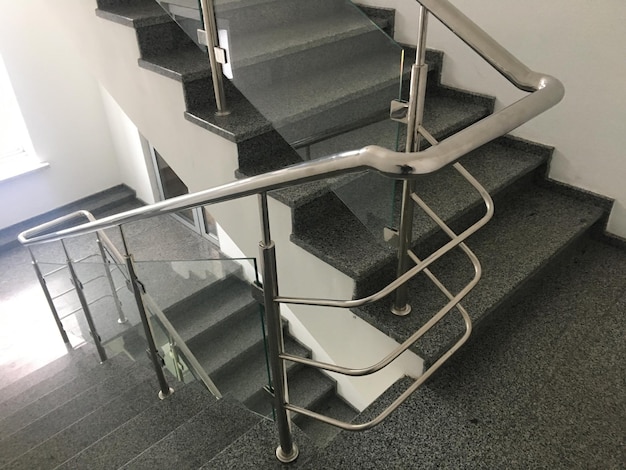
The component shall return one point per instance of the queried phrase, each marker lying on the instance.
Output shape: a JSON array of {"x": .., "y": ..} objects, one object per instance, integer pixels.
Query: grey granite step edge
[
  {"x": 215, "y": 350},
  {"x": 51, "y": 376},
  {"x": 301, "y": 194},
  {"x": 137, "y": 434},
  {"x": 256, "y": 449},
  {"x": 246, "y": 376},
  {"x": 365, "y": 260},
  {"x": 32, "y": 433},
  {"x": 207, "y": 311},
  {"x": 532, "y": 231},
  {"x": 73, "y": 439},
  {"x": 199, "y": 439}
]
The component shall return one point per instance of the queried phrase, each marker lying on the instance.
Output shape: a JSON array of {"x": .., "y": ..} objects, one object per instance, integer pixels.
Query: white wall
[
  {"x": 133, "y": 157},
  {"x": 581, "y": 42},
  {"x": 63, "y": 111}
]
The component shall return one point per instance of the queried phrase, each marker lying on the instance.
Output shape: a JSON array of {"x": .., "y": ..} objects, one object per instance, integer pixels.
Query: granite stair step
[
  {"x": 302, "y": 48},
  {"x": 42, "y": 381},
  {"x": 246, "y": 375},
  {"x": 195, "y": 442},
  {"x": 65, "y": 444},
  {"x": 527, "y": 233},
  {"x": 446, "y": 112},
  {"x": 211, "y": 306},
  {"x": 38, "y": 401},
  {"x": 135, "y": 13},
  {"x": 256, "y": 449},
  {"x": 321, "y": 433},
  {"x": 141, "y": 431},
  {"x": 543, "y": 376},
  {"x": 254, "y": 15},
  {"x": 31, "y": 433},
  {"x": 238, "y": 335},
  {"x": 345, "y": 243}
]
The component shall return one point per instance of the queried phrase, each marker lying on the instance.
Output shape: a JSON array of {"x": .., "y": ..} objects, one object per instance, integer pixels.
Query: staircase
[{"x": 537, "y": 225}]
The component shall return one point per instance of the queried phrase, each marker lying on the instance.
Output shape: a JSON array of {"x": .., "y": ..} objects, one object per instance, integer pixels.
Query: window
[{"x": 16, "y": 154}]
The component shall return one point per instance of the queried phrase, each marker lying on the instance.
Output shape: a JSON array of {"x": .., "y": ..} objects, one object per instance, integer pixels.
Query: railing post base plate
[
  {"x": 163, "y": 396},
  {"x": 287, "y": 458},
  {"x": 401, "y": 312}
]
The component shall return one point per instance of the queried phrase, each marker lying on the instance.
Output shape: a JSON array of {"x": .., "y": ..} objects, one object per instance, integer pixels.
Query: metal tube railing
[{"x": 545, "y": 92}]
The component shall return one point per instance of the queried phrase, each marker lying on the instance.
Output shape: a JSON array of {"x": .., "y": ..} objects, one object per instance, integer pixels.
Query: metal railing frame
[{"x": 545, "y": 92}]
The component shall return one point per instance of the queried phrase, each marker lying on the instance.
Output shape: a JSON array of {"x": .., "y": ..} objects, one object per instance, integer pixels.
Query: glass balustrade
[{"x": 323, "y": 75}]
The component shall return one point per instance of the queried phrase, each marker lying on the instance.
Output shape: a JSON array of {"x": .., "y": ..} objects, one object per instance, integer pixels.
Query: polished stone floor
[{"x": 29, "y": 338}]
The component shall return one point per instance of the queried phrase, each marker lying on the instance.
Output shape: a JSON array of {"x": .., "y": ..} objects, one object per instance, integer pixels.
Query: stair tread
[
  {"x": 310, "y": 96},
  {"x": 211, "y": 306},
  {"x": 543, "y": 377},
  {"x": 308, "y": 386},
  {"x": 73, "y": 439},
  {"x": 136, "y": 13},
  {"x": 140, "y": 432},
  {"x": 441, "y": 116},
  {"x": 259, "y": 46},
  {"x": 31, "y": 406},
  {"x": 529, "y": 232},
  {"x": 321, "y": 433},
  {"x": 255, "y": 450},
  {"x": 40, "y": 382},
  {"x": 34, "y": 432},
  {"x": 215, "y": 349},
  {"x": 183, "y": 64},
  {"x": 495, "y": 165},
  {"x": 194, "y": 443},
  {"x": 245, "y": 383}
]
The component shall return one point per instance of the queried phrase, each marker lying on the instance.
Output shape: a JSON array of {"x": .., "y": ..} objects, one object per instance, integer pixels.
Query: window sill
[{"x": 14, "y": 168}]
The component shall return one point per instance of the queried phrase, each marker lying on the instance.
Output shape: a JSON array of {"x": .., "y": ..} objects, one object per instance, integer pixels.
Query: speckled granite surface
[
  {"x": 524, "y": 236},
  {"x": 542, "y": 386}
]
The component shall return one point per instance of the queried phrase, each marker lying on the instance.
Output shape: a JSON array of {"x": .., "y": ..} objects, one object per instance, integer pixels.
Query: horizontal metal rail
[{"x": 421, "y": 265}]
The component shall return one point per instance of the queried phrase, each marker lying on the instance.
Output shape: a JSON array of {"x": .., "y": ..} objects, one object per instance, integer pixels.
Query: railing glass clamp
[{"x": 399, "y": 111}]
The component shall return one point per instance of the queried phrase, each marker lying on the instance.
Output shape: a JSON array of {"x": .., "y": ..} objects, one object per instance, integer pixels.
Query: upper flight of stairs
[{"x": 536, "y": 223}]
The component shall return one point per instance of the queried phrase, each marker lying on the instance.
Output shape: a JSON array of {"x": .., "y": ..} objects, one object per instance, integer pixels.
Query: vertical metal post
[
  {"x": 417, "y": 93},
  {"x": 165, "y": 389},
  {"x": 46, "y": 292},
  {"x": 210, "y": 28},
  {"x": 287, "y": 451},
  {"x": 121, "y": 318},
  {"x": 85, "y": 306}
]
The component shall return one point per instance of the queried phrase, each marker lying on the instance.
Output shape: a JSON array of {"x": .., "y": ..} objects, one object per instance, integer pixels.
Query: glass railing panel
[
  {"x": 207, "y": 315},
  {"x": 187, "y": 14},
  {"x": 308, "y": 68}
]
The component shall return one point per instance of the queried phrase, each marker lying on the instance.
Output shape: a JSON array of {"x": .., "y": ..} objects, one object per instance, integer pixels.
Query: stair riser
[
  {"x": 358, "y": 108},
  {"x": 255, "y": 17},
  {"x": 161, "y": 39}
]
